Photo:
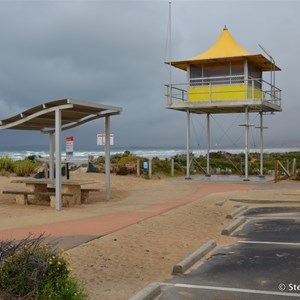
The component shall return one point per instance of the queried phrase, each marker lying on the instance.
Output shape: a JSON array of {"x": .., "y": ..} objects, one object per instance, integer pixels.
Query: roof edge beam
[
  {"x": 82, "y": 122},
  {"x": 34, "y": 115}
]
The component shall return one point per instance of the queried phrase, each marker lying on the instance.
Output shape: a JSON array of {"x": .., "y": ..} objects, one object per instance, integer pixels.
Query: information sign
[{"x": 101, "y": 139}]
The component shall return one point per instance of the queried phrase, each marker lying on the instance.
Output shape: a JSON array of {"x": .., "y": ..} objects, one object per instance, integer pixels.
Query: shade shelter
[
  {"x": 56, "y": 116},
  {"x": 225, "y": 79}
]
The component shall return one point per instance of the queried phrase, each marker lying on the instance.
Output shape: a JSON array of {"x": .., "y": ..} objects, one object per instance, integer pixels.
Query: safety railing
[{"x": 224, "y": 89}]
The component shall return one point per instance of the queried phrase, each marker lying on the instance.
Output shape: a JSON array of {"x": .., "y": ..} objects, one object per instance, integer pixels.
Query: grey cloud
[{"x": 113, "y": 52}]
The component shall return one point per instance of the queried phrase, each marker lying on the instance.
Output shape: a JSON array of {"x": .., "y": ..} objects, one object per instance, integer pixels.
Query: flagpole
[{"x": 170, "y": 53}]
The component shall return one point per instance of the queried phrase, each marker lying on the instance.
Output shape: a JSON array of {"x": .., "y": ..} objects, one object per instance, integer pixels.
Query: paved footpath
[{"x": 69, "y": 234}]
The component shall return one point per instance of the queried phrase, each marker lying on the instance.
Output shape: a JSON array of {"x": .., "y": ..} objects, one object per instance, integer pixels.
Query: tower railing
[{"x": 226, "y": 88}]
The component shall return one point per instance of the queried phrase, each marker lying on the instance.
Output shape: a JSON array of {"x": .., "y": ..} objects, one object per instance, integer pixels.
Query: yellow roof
[
  {"x": 225, "y": 46},
  {"x": 226, "y": 49}
]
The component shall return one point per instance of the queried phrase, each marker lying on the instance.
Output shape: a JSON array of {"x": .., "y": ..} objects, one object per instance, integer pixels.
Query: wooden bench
[
  {"x": 85, "y": 194},
  {"x": 22, "y": 196}
]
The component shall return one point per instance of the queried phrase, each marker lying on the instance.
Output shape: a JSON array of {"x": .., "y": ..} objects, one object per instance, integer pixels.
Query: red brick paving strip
[{"x": 103, "y": 225}]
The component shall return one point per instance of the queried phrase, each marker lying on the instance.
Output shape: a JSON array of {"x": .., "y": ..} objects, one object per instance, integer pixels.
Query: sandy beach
[{"x": 170, "y": 219}]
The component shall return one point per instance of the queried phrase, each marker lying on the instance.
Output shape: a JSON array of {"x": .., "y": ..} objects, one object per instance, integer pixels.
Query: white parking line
[
  {"x": 227, "y": 289},
  {"x": 287, "y": 217},
  {"x": 269, "y": 243}
]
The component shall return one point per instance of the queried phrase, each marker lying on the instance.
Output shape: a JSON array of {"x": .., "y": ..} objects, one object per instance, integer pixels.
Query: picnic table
[{"x": 44, "y": 189}]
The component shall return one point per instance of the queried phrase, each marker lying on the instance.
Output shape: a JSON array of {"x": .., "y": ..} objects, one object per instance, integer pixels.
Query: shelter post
[
  {"x": 208, "y": 146},
  {"x": 107, "y": 158},
  {"x": 188, "y": 121},
  {"x": 51, "y": 155},
  {"x": 58, "y": 202}
]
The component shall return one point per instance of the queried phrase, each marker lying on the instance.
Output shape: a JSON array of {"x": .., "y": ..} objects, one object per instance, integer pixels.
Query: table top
[{"x": 52, "y": 181}]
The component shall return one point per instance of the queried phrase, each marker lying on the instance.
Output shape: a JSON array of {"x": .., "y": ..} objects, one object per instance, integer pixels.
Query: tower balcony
[{"x": 229, "y": 94}]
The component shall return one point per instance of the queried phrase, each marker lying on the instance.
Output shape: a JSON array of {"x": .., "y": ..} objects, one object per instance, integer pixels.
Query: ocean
[{"x": 81, "y": 156}]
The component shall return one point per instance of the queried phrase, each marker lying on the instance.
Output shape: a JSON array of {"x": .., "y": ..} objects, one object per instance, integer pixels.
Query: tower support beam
[
  {"x": 208, "y": 146},
  {"x": 261, "y": 173},
  {"x": 261, "y": 128},
  {"x": 188, "y": 122}
]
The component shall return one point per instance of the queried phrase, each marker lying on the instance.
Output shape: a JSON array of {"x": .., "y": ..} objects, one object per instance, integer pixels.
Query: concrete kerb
[
  {"x": 237, "y": 212},
  {"x": 150, "y": 292},
  {"x": 231, "y": 227},
  {"x": 263, "y": 201},
  {"x": 193, "y": 258},
  {"x": 221, "y": 202}
]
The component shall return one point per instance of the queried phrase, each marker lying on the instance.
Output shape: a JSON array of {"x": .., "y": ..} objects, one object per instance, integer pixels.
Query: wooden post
[
  {"x": 46, "y": 169},
  {"x": 276, "y": 171},
  {"x": 172, "y": 167},
  {"x": 150, "y": 168},
  {"x": 294, "y": 166},
  {"x": 138, "y": 173}
]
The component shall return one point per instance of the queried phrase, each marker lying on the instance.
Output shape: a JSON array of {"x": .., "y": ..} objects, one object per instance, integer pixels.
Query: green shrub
[
  {"x": 125, "y": 170},
  {"x": 24, "y": 167},
  {"x": 128, "y": 160},
  {"x": 30, "y": 270},
  {"x": 161, "y": 166},
  {"x": 61, "y": 289},
  {"x": 7, "y": 164}
]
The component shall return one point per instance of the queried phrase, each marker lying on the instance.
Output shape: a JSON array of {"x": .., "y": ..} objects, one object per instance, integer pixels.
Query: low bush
[
  {"x": 7, "y": 164},
  {"x": 24, "y": 167},
  {"x": 125, "y": 170},
  {"x": 30, "y": 269}
]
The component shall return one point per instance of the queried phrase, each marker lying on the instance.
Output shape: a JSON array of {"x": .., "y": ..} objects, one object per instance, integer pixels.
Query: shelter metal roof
[
  {"x": 226, "y": 49},
  {"x": 74, "y": 113}
]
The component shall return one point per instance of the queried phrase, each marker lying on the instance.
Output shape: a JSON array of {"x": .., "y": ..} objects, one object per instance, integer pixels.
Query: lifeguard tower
[{"x": 225, "y": 79}]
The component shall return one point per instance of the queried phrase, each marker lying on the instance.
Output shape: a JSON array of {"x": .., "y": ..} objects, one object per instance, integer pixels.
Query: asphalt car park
[{"x": 263, "y": 264}]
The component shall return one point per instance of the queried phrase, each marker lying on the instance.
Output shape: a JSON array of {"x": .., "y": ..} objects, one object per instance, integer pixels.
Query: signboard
[
  {"x": 101, "y": 139},
  {"x": 70, "y": 146},
  {"x": 146, "y": 165}
]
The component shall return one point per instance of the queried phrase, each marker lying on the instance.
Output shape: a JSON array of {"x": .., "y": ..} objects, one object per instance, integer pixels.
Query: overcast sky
[{"x": 113, "y": 52}]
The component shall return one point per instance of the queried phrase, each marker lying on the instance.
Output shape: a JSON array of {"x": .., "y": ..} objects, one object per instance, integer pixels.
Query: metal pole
[
  {"x": 246, "y": 142},
  {"x": 246, "y": 77},
  {"x": 170, "y": 53},
  {"x": 261, "y": 145},
  {"x": 188, "y": 144},
  {"x": 208, "y": 146},
  {"x": 107, "y": 158},
  {"x": 58, "y": 202},
  {"x": 51, "y": 155}
]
